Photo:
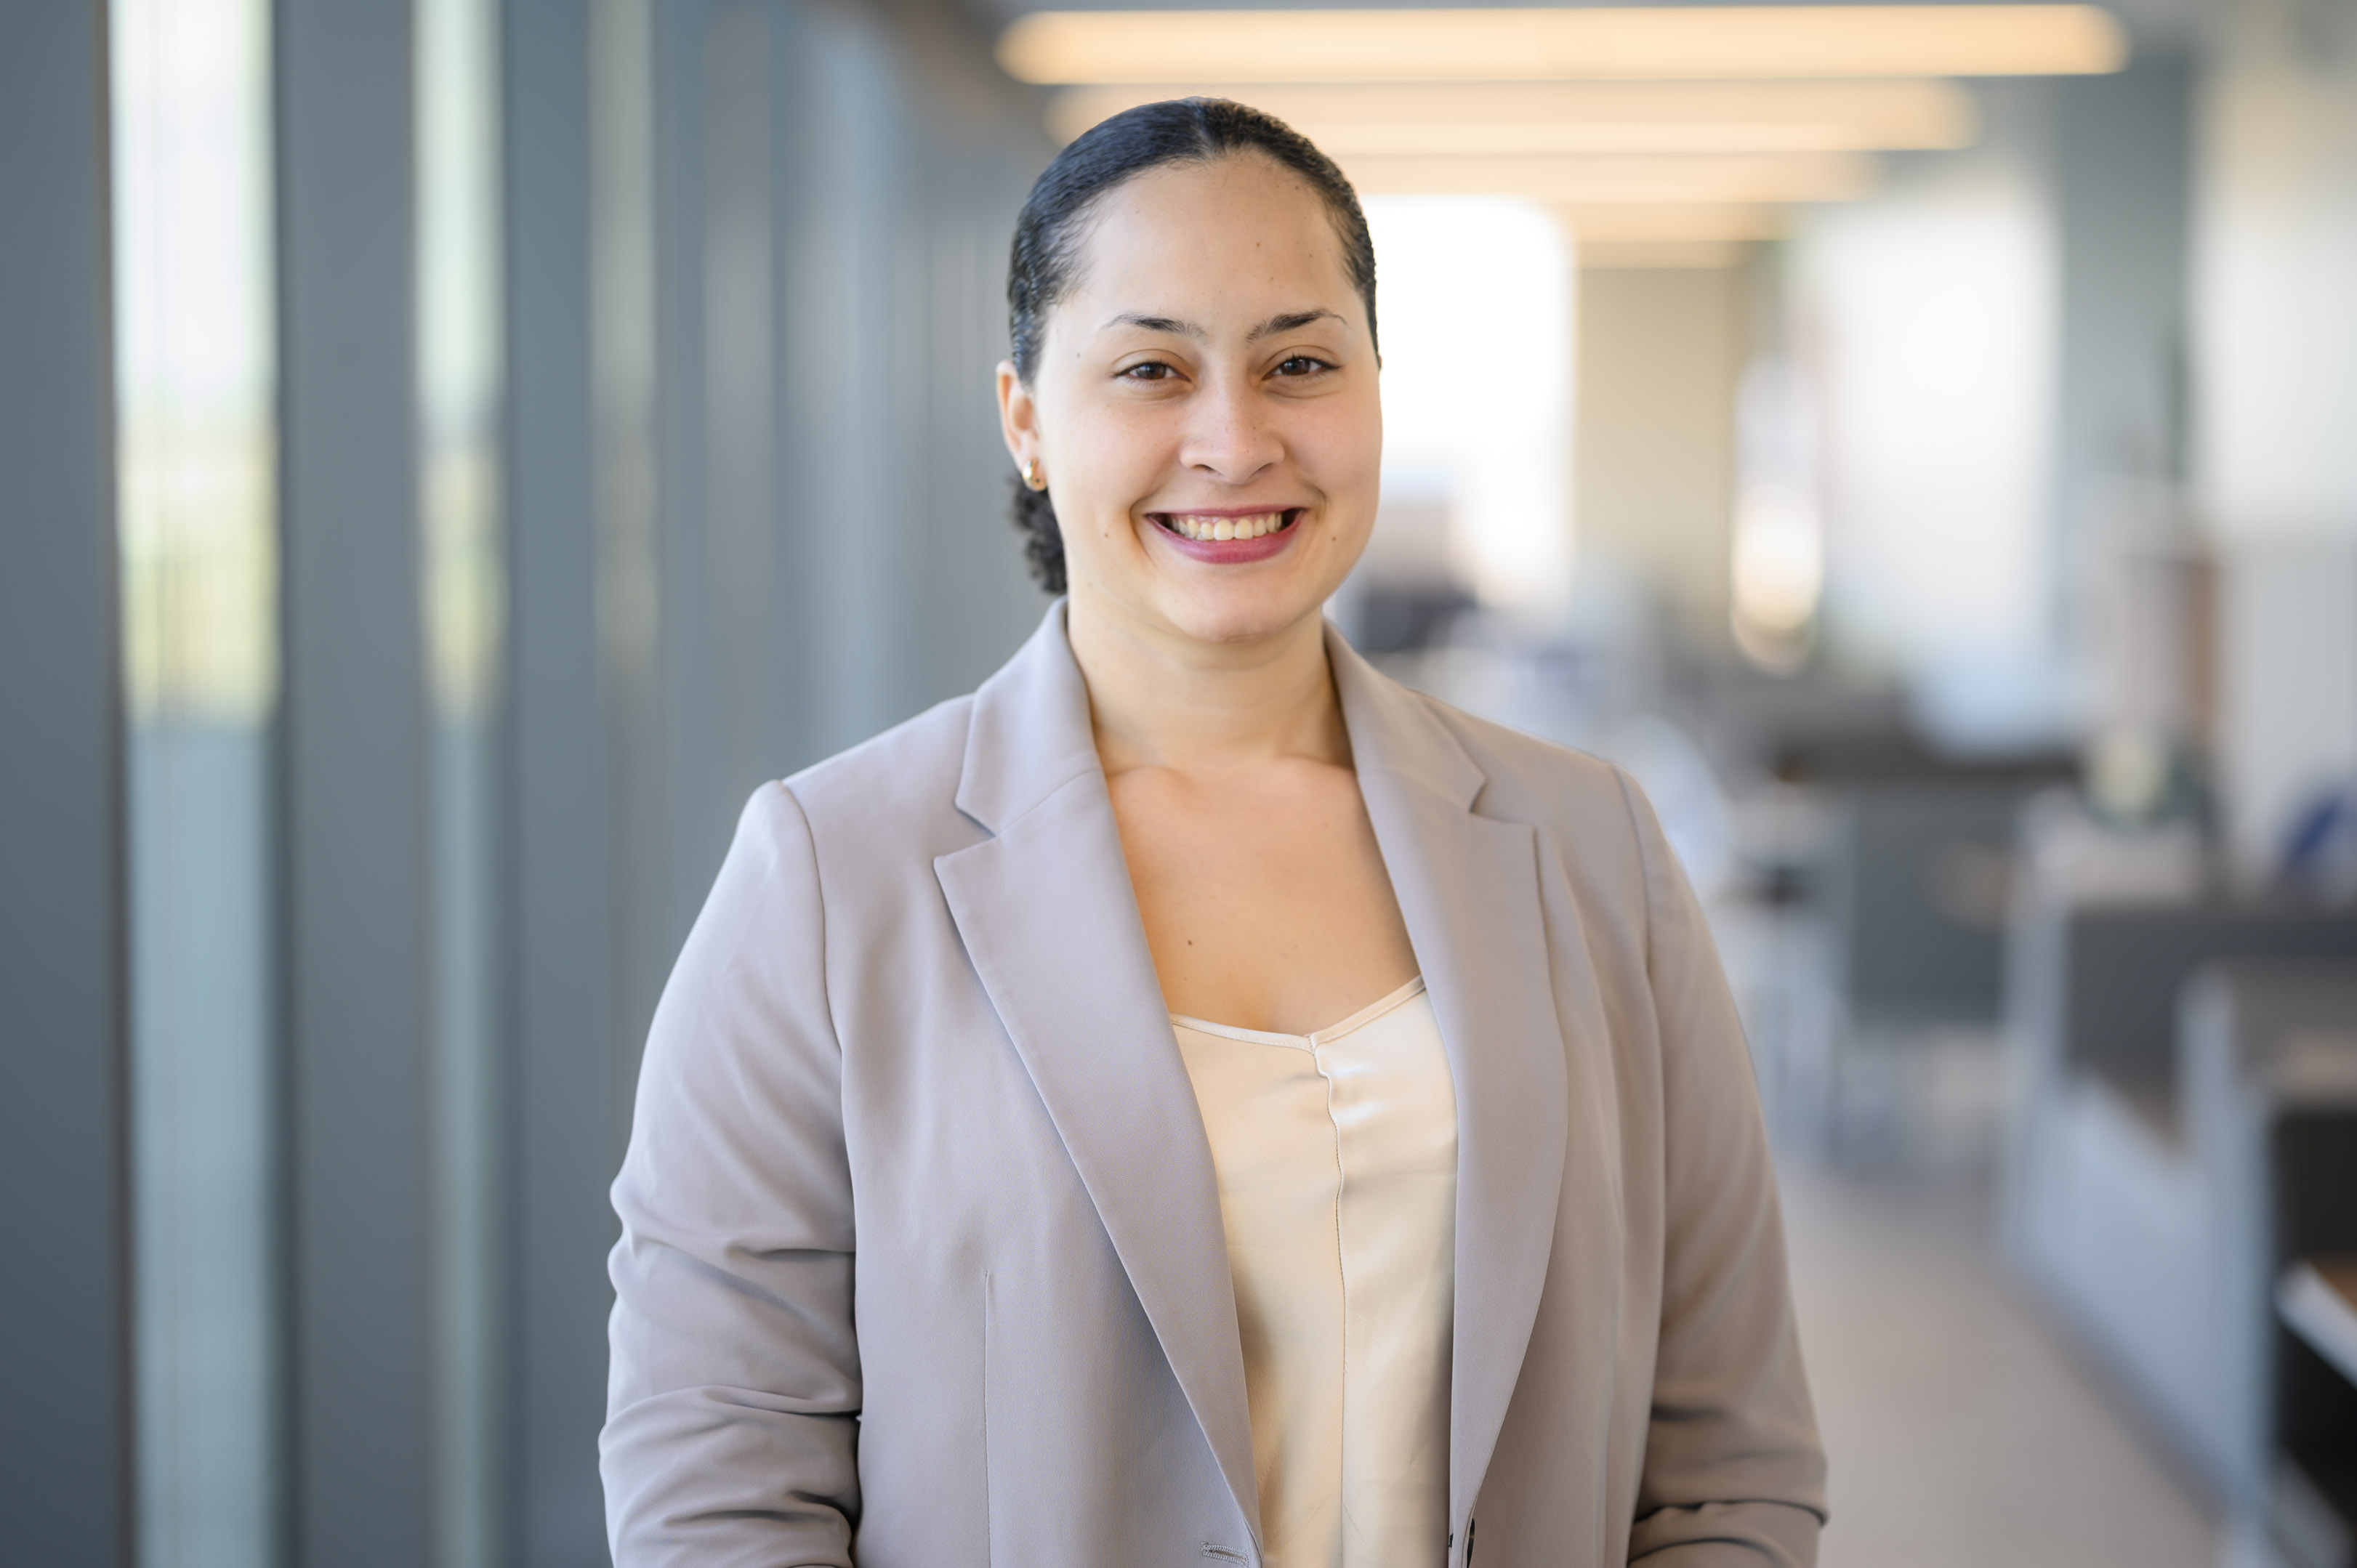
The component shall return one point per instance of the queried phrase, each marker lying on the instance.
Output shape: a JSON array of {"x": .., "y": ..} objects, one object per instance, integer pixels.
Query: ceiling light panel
[
  {"x": 1584, "y": 117},
  {"x": 1653, "y": 255},
  {"x": 1717, "y": 181},
  {"x": 1542, "y": 45},
  {"x": 1657, "y": 222},
  {"x": 1390, "y": 139}
]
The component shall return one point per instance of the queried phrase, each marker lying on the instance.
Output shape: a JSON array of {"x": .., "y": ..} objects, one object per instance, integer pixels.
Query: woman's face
[{"x": 1209, "y": 373}]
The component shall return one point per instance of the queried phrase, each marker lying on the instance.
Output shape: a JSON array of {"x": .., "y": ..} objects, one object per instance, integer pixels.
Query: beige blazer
[{"x": 921, "y": 1262}]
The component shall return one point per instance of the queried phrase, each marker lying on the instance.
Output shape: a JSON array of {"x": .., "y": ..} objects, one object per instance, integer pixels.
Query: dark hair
[{"x": 1049, "y": 232}]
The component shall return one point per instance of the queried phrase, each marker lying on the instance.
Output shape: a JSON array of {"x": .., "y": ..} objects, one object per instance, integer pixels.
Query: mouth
[{"x": 1229, "y": 536}]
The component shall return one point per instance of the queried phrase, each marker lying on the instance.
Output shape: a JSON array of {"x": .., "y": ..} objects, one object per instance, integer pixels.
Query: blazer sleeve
[
  {"x": 734, "y": 1390},
  {"x": 1734, "y": 1476}
]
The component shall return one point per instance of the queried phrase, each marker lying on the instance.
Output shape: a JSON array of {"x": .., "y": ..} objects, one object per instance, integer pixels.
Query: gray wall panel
[
  {"x": 355, "y": 848},
  {"x": 2122, "y": 188},
  {"x": 557, "y": 860},
  {"x": 65, "y": 1482}
]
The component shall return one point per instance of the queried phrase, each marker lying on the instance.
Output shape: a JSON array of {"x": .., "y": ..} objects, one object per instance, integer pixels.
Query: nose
[{"x": 1230, "y": 438}]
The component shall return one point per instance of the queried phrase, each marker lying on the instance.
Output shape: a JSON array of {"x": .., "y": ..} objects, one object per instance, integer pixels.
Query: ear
[{"x": 1018, "y": 417}]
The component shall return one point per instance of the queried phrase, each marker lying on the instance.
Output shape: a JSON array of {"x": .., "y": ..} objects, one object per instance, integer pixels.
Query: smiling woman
[{"x": 1196, "y": 1098}]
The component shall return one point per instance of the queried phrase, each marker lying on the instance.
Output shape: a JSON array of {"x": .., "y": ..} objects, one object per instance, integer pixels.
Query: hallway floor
[{"x": 1963, "y": 1430}]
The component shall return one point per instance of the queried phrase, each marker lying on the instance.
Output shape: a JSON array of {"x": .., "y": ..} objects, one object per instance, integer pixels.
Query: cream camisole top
[{"x": 1336, "y": 1154}]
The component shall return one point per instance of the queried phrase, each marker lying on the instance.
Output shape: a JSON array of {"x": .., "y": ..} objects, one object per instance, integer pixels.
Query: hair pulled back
[{"x": 1054, "y": 221}]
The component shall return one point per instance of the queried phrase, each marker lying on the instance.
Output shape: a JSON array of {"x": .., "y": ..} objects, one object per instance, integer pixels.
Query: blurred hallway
[{"x": 1963, "y": 1428}]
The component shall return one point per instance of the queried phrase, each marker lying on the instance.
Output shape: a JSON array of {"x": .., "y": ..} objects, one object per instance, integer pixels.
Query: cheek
[
  {"x": 1110, "y": 455},
  {"x": 1340, "y": 443}
]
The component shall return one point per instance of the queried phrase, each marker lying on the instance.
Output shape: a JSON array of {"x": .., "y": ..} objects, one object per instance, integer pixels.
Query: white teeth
[{"x": 1223, "y": 528}]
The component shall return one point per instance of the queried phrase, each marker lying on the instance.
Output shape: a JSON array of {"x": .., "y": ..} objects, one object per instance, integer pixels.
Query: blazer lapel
[
  {"x": 1046, "y": 913},
  {"x": 1469, "y": 889}
]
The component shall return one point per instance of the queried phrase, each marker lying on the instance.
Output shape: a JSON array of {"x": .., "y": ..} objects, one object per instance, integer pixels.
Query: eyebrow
[
  {"x": 1178, "y": 328},
  {"x": 1276, "y": 324},
  {"x": 1171, "y": 325}
]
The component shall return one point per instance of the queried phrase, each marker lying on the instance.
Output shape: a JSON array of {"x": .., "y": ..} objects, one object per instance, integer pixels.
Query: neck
[{"x": 1158, "y": 698}]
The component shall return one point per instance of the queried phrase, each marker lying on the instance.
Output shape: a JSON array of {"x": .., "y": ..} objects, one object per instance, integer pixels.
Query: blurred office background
[{"x": 452, "y": 451}]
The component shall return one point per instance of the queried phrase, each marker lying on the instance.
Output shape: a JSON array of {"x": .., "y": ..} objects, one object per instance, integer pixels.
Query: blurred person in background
[{"x": 1196, "y": 1098}]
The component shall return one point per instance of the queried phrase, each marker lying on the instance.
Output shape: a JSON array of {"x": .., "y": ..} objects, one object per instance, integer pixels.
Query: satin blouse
[{"x": 1336, "y": 1158}]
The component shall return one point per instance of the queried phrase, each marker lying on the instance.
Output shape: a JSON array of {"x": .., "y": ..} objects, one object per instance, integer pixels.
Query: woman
[{"x": 1196, "y": 1099}]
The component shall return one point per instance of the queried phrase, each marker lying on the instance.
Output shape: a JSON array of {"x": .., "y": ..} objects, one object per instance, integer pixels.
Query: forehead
[{"x": 1237, "y": 229}]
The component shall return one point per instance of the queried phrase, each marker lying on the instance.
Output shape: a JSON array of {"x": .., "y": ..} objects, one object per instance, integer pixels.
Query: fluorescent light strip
[
  {"x": 1523, "y": 118},
  {"x": 1684, "y": 181},
  {"x": 1542, "y": 44},
  {"x": 1653, "y": 255},
  {"x": 1380, "y": 139},
  {"x": 1667, "y": 223}
]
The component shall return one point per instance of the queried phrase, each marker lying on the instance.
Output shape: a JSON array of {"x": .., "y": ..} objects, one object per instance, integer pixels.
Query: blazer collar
[
  {"x": 1394, "y": 731},
  {"x": 1468, "y": 887},
  {"x": 1030, "y": 735},
  {"x": 1048, "y": 915}
]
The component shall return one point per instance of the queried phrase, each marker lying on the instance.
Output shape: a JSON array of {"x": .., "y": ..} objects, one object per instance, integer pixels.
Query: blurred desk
[
  {"x": 2184, "y": 1128},
  {"x": 2312, "y": 1512},
  {"x": 2318, "y": 1300}
]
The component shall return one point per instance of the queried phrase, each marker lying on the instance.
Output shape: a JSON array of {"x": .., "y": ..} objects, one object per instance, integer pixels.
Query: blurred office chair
[
  {"x": 1916, "y": 890},
  {"x": 1912, "y": 891}
]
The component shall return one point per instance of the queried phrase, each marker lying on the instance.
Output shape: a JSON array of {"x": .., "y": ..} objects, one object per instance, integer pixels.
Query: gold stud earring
[{"x": 1032, "y": 474}]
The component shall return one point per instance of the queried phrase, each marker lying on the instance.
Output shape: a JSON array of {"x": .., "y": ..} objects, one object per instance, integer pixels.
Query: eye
[
  {"x": 1300, "y": 365},
  {"x": 1149, "y": 370}
]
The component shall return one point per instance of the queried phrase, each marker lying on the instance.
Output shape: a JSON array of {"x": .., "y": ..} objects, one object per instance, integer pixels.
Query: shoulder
[
  {"x": 1568, "y": 794},
  {"x": 902, "y": 784},
  {"x": 1593, "y": 820},
  {"x": 1524, "y": 770}
]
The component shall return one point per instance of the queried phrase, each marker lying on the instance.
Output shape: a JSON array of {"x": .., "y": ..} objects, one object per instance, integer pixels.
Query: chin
[{"x": 1243, "y": 613}]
